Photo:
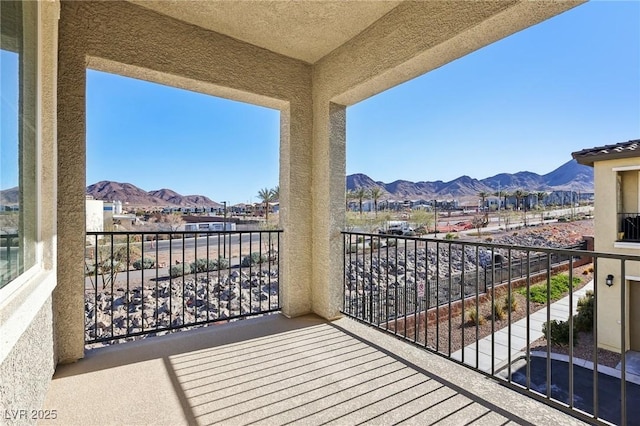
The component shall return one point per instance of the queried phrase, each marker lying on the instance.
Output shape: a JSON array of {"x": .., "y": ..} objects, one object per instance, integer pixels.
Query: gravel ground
[{"x": 549, "y": 235}]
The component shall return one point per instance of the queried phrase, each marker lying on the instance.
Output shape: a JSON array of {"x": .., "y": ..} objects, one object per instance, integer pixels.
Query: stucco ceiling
[{"x": 305, "y": 30}]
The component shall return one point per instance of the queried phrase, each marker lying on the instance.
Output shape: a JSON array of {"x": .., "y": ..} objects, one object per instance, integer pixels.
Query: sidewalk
[{"x": 493, "y": 350}]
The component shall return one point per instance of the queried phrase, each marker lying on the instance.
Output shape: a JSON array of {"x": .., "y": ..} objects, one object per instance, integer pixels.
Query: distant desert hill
[
  {"x": 571, "y": 176},
  {"x": 9, "y": 197},
  {"x": 134, "y": 196}
]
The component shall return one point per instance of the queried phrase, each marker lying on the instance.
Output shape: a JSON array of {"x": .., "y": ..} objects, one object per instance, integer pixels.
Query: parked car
[
  {"x": 463, "y": 226},
  {"x": 397, "y": 227}
]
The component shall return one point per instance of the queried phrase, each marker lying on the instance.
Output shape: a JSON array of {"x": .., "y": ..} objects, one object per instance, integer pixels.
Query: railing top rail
[
  {"x": 490, "y": 245},
  {"x": 125, "y": 233}
]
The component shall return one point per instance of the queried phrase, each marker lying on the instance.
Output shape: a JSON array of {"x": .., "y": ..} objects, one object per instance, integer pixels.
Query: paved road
[
  {"x": 214, "y": 240},
  {"x": 231, "y": 246}
]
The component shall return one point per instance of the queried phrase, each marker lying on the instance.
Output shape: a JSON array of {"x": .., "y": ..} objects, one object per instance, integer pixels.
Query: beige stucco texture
[{"x": 309, "y": 60}]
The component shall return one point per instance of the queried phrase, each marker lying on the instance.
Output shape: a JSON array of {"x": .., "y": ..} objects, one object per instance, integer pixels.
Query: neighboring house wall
[{"x": 607, "y": 205}]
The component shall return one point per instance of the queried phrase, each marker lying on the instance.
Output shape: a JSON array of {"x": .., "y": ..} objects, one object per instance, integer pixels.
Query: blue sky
[{"x": 522, "y": 103}]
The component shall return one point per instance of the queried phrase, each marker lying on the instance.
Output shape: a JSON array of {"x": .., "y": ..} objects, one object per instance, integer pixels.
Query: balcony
[
  {"x": 629, "y": 227},
  {"x": 433, "y": 361},
  {"x": 273, "y": 370}
]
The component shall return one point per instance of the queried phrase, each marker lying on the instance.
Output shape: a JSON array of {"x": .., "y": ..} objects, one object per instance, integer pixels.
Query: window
[{"x": 18, "y": 130}]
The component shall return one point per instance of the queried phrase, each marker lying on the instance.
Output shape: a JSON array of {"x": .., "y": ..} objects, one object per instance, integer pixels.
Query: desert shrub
[
  {"x": 499, "y": 312},
  {"x": 558, "y": 332},
  {"x": 474, "y": 316},
  {"x": 146, "y": 263},
  {"x": 353, "y": 248},
  {"x": 178, "y": 270},
  {"x": 221, "y": 263},
  {"x": 450, "y": 236},
  {"x": 108, "y": 266},
  {"x": 421, "y": 230},
  {"x": 204, "y": 265},
  {"x": 253, "y": 259},
  {"x": 510, "y": 301},
  {"x": 583, "y": 320},
  {"x": 488, "y": 239}
]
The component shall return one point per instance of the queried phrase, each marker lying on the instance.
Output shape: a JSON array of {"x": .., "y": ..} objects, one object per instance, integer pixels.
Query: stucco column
[
  {"x": 68, "y": 297},
  {"x": 328, "y": 189},
  {"x": 296, "y": 204}
]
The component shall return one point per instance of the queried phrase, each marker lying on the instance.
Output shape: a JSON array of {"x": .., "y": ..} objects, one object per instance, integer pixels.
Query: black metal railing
[
  {"x": 628, "y": 227},
  {"x": 9, "y": 258},
  {"x": 141, "y": 283},
  {"x": 457, "y": 299}
]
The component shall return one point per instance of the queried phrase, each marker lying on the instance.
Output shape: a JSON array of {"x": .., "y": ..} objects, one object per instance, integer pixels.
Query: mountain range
[
  {"x": 571, "y": 176},
  {"x": 132, "y": 195}
]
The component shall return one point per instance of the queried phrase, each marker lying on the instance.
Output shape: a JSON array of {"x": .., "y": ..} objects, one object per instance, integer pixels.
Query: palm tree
[
  {"x": 519, "y": 194},
  {"x": 266, "y": 195},
  {"x": 276, "y": 193},
  {"x": 349, "y": 195},
  {"x": 540, "y": 196},
  {"x": 483, "y": 197},
  {"x": 504, "y": 195},
  {"x": 375, "y": 193},
  {"x": 360, "y": 194}
]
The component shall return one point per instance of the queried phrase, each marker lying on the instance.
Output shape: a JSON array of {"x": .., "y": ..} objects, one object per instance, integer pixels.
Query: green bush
[
  {"x": 583, "y": 320},
  {"x": 253, "y": 259},
  {"x": 558, "y": 287},
  {"x": 178, "y": 270},
  {"x": 450, "y": 236},
  {"x": 146, "y": 263},
  {"x": 558, "y": 332}
]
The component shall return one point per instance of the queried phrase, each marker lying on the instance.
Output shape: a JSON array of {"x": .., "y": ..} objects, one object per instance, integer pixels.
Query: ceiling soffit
[{"x": 304, "y": 30}]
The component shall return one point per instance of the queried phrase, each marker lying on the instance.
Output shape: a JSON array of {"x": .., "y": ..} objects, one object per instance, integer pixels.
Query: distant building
[{"x": 94, "y": 210}]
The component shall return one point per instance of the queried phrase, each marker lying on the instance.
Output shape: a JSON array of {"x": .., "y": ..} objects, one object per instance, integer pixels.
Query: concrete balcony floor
[{"x": 273, "y": 370}]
